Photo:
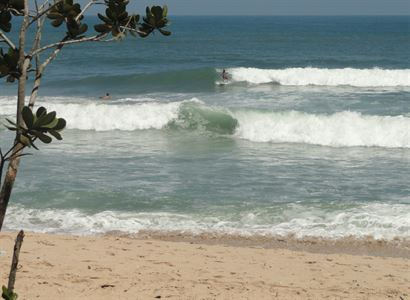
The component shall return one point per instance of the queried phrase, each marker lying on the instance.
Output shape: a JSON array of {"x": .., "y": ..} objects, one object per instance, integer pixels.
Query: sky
[{"x": 280, "y": 7}]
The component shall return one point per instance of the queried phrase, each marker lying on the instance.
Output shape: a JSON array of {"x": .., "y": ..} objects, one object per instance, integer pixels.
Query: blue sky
[{"x": 281, "y": 7}]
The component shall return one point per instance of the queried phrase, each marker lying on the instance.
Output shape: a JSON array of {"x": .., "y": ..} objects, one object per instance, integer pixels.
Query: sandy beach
[{"x": 146, "y": 267}]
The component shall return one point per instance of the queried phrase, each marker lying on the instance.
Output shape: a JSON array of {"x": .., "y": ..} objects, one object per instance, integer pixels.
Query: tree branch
[
  {"x": 15, "y": 261},
  {"x": 38, "y": 16},
  {"x": 94, "y": 38},
  {"x": 40, "y": 70},
  {"x": 89, "y": 4},
  {"x": 131, "y": 29},
  {"x": 7, "y": 40}
]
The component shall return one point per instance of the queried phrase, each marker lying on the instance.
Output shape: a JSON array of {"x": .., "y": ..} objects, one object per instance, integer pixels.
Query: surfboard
[{"x": 222, "y": 83}]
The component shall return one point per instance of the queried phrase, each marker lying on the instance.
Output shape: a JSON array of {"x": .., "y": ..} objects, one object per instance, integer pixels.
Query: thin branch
[
  {"x": 38, "y": 16},
  {"x": 40, "y": 23},
  {"x": 39, "y": 73},
  {"x": 93, "y": 38},
  {"x": 15, "y": 11},
  {"x": 7, "y": 40},
  {"x": 43, "y": 5},
  {"x": 52, "y": 56},
  {"x": 132, "y": 29},
  {"x": 89, "y": 4}
]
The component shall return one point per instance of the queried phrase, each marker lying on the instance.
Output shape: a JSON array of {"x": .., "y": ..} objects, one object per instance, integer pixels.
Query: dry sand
[{"x": 118, "y": 267}]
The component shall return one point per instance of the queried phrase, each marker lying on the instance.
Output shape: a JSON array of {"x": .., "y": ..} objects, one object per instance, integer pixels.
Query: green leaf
[
  {"x": 164, "y": 32},
  {"x": 60, "y": 125},
  {"x": 104, "y": 19},
  {"x": 164, "y": 11},
  {"x": 102, "y": 28},
  {"x": 11, "y": 122},
  {"x": 6, "y": 27},
  {"x": 45, "y": 119},
  {"x": 27, "y": 116},
  {"x": 83, "y": 28},
  {"x": 41, "y": 111},
  {"x": 55, "y": 15},
  {"x": 56, "y": 135},
  {"x": 8, "y": 295},
  {"x": 42, "y": 137},
  {"x": 57, "y": 22},
  {"x": 10, "y": 128},
  {"x": 52, "y": 124}
]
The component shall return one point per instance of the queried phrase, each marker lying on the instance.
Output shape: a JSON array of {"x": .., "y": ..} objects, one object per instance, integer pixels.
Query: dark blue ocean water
[{"x": 309, "y": 136}]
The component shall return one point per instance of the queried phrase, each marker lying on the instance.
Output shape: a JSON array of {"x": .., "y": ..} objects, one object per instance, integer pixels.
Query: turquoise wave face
[{"x": 195, "y": 117}]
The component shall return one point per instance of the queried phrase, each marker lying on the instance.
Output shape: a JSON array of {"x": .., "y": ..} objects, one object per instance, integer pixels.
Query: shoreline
[
  {"x": 397, "y": 247},
  {"x": 116, "y": 266},
  {"x": 346, "y": 245}
]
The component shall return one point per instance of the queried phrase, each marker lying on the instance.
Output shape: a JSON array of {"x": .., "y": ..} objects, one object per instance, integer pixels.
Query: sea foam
[
  {"x": 380, "y": 221},
  {"x": 323, "y": 77},
  {"x": 343, "y": 129}
]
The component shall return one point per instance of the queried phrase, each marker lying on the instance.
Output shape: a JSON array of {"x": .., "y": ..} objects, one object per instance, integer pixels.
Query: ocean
[{"x": 310, "y": 137}]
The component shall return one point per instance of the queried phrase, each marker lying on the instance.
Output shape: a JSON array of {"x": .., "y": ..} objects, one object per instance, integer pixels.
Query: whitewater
[
  {"x": 375, "y": 77},
  {"x": 309, "y": 136}
]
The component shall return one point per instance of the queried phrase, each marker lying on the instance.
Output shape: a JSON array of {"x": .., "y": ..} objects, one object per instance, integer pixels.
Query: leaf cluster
[
  {"x": 7, "y": 9},
  {"x": 9, "y": 64},
  {"x": 116, "y": 17},
  {"x": 7, "y": 294},
  {"x": 156, "y": 18},
  {"x": 66, "y": 11},
  {"x": 119, "y": 22},
  {"x": 37, "y": 126}
]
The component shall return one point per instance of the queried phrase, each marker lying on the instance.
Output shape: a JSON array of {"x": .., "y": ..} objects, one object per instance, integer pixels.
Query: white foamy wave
[
  {"x": 102, "y": 117},
  {"x": 380, "y": 221},
  {"x": 343, "y": 129},
  {"x": 324, "y": 77}
]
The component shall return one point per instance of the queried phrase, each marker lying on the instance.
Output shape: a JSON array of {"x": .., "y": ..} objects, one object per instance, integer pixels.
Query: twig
[
  {"x": 38, "y": 16},
  {"x": 89, "y": 4},
  {"x": 132, "y": 29},
  {"x": 7, "y": 40},
  {"x": 15, "y": 261}
]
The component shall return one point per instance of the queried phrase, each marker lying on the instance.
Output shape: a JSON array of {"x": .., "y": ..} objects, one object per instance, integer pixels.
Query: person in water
[
  {"x": 224, "y": 75},
  {"x": 106, "y": 97}
]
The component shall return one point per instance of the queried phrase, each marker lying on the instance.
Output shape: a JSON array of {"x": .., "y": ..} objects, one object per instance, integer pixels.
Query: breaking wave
[
  {"x": 341, "y": 129},
  {"x": 323, "y": 77}
]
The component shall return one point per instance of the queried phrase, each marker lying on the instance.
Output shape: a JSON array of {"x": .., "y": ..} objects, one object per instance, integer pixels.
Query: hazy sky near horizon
[{"x": 280, "y": 7}]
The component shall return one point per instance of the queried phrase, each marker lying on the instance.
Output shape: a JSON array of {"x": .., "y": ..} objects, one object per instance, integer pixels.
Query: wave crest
[
  {"x": 343, "y": 129},
  {"x": 323, "y": 77}
]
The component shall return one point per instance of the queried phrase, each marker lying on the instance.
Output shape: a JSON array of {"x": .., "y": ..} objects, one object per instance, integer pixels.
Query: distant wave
[
  {"x": 204, "y": 79},
  {"x": 342, "y": 129},
  {"x": 380, "y": 221},
  {"x": 323, "y": 77}
]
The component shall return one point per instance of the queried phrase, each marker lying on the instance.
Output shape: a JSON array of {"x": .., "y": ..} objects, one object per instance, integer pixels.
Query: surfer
[
  {"x": 106, "y": 97},
  {"x": 224, "y": 75}
]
